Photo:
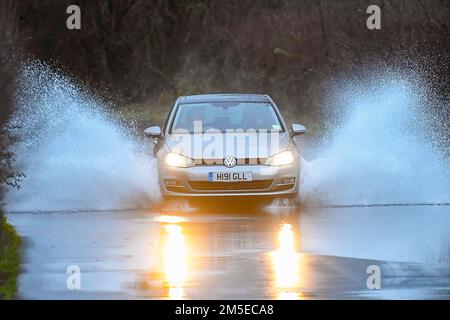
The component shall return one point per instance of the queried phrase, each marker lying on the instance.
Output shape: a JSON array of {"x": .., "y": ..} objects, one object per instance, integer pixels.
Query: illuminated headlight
[
  {"x": 281, "y": 159},
  {"x": 177, "y": 160}
]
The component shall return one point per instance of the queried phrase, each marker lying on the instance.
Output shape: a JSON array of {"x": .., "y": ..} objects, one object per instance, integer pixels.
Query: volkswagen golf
[{"x": 226, "y": 145}]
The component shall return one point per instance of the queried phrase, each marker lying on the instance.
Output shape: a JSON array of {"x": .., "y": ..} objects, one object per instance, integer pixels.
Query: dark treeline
[
  {"x": 139, "y": 48},
  {"x": 145, "y": 50},
  {"x": 9, "y": 42}
]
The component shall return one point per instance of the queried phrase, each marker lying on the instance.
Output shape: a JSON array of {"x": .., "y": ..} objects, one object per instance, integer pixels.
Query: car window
[{"x": 224, "y": 116}]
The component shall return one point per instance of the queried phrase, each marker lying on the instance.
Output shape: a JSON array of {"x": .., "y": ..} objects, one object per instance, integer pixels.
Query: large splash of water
[
  {"x": 74, "y": 155},
  {"x": 381, "y": 149},
  {"x": 386, "y": 146}
]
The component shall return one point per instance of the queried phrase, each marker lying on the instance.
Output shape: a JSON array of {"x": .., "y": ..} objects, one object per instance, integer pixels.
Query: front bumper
[{"x": 193, "y": 181}]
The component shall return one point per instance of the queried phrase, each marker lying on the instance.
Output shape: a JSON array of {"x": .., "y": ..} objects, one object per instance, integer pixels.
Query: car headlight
[
  {"x": 281, "y": 159},
  {"x": 177, "y": 160}
]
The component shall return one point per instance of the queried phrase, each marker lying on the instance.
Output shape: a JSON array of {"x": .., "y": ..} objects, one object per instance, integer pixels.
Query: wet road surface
[{"x": 280, "y": 253}]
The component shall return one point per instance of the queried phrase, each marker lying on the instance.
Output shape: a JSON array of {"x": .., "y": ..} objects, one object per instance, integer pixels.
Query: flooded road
[{"x": 276, "y": 253}]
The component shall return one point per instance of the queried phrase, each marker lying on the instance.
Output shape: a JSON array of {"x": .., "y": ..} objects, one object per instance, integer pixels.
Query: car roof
[{"x": 222, "y": 97}]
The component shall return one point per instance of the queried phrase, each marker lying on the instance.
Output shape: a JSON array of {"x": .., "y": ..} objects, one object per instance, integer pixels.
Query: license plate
[{"x": 229, "y": 176}]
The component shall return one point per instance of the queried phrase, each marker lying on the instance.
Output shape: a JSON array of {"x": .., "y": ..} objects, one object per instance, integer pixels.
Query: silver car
[{"x": 223, "y": 145}]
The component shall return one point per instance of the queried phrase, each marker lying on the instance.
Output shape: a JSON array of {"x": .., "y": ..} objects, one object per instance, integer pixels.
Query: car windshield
[{"x": 225, "y": 116}]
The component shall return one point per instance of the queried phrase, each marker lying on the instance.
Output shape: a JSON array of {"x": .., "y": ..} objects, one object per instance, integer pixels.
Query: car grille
[
  {"x": 240, "y": 161},
  {"x": 240, "y": 185}
]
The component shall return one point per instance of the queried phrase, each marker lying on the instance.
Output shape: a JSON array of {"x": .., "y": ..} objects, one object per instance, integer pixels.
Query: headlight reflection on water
[
  {"x": 286, "y": 261},
  {"x": 175, "y": 260}
]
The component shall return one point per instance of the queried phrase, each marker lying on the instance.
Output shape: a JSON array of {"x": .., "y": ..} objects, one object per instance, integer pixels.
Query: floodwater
[{"x": 272, "y": 253}]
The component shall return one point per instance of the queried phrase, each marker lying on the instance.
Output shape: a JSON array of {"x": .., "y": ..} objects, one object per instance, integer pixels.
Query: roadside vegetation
[{"x": 10, "y": 244}]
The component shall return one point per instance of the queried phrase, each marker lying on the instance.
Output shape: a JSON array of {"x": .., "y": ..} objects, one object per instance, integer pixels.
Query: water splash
[
  {"x": 385, "y": 148},
  {"x": 382, "y": 149},
  {"x": 74, "y": 155}
]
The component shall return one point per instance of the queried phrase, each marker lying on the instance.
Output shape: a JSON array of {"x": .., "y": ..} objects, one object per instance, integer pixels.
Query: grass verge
[{"x": 9, "y": 259}]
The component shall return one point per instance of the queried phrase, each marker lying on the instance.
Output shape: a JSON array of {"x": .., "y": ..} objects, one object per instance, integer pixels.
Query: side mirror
[
  {"x": 153, "y": 132},
  {"x": 298, "y": 129}
]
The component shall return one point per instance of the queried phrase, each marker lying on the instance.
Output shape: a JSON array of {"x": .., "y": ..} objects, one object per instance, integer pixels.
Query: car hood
[{"x": 220, "y": 145}]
